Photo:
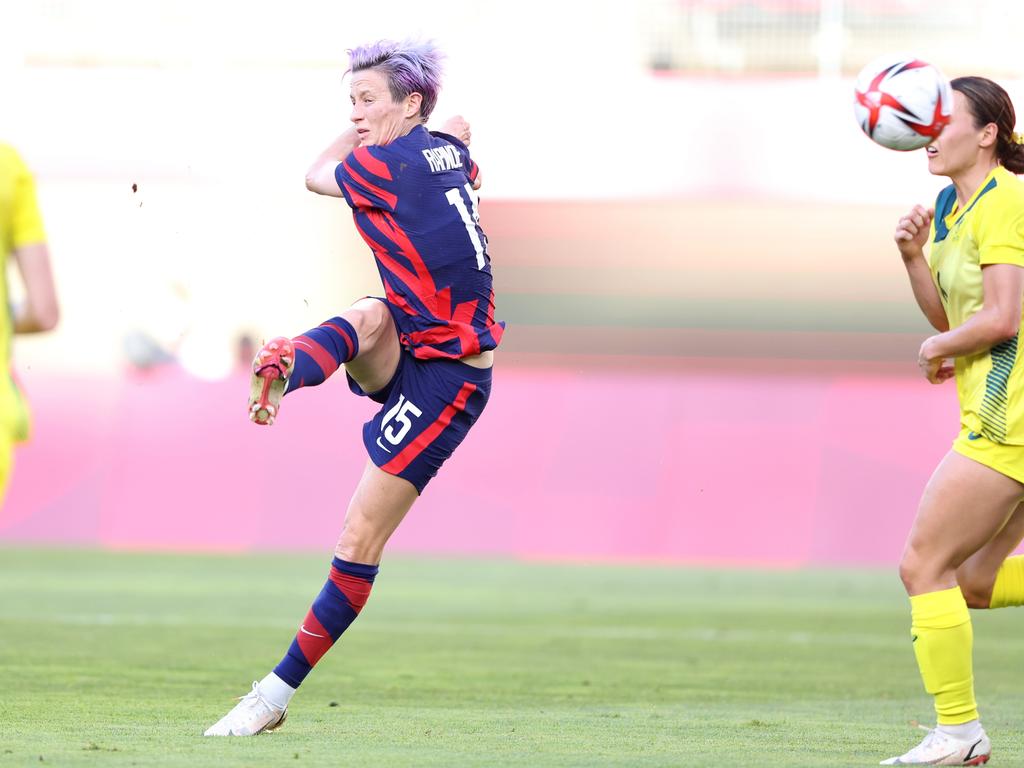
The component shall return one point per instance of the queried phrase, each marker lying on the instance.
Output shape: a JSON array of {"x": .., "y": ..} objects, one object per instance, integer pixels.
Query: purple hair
[{"x": 409, "y": 66}]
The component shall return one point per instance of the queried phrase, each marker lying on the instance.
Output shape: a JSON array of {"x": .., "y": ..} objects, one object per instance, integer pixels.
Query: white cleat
[
  {"x": 940, "y": 748},
  {"x": 251, "y": 715}
]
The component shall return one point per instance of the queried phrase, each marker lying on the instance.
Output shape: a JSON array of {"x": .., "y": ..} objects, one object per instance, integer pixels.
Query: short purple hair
[{"x": 410, "y": 66}]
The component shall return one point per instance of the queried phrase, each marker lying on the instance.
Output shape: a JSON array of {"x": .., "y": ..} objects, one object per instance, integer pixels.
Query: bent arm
[
  {"x": 40, "y": 310},
  {"x": 925, "y": 292},
  {"x": 458, "y": 128},
  {"x": 912, "y": 233},
  {"x": 998, "y": 319},
  {"x": 320, "y": 177}
]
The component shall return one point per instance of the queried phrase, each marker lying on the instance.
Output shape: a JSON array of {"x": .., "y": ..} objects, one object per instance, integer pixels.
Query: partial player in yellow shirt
[
  {"x": 971, "y": 517},
  {"x": 22, "y": 240}
]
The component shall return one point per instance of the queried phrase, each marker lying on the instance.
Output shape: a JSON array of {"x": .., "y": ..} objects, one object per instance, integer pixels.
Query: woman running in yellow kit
[
  {"x": 21, "y": 239},
  {"x": 971, "y": 516}
]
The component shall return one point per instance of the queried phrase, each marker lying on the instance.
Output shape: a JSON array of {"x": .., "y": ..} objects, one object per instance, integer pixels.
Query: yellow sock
[
  {"x": 1009, "y": 586},
  {"x": 943, "y": 643}
]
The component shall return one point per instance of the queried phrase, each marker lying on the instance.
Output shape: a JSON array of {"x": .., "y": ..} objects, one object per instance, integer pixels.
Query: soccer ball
[{"x": 901, "y": 102}]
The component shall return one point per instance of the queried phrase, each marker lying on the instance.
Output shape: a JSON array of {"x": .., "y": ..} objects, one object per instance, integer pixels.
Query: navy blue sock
[
  {"x": 320, "y": 351},
  {"x": 337, "y": 605}
]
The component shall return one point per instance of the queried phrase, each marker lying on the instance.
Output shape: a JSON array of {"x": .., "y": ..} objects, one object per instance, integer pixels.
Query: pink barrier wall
[{"x": 765, "y": 462}]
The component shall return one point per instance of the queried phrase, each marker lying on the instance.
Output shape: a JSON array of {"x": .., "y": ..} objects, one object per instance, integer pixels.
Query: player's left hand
[
  {"x": 458, "y": 126},
  {"x": 935, "y": 369}
]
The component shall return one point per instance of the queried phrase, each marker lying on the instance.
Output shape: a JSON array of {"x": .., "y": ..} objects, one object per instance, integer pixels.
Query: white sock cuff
[
  {"x": 276, "y": 691},
  {"x": 964, "y": 731}
]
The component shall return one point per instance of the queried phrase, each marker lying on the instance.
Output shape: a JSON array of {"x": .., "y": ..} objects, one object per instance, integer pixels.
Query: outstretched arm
[
  {"x": 320, "y": 176},
  {"x": 39, "y": 311}
]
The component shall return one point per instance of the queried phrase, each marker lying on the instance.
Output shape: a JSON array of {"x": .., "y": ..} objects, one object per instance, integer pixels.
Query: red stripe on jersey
[
  {"x": 444, "y": 303},
  {"x": 490, "y": 308},
  {"x": 389, "y": 199},
  {"x": 399, "y": 301},
  {"x": 321, "y": 356},
  {"x": 344, "y": 337},
  {"x": 463, "y": 325},
  {"x": 355, "y": 590},
  {"x": 377, "y": 167},
  {"x": 438, "y": 334},
  {"x": 313, "y": 639},
  {"x": 425, "y": 343},
  {"x": 358, "y": 198},
  {"x": 382, "y": 254},
  {"x": 433, "y": 353},
  {"x": 428, "y": 435},
  {"x": 408, "y": 250},
  {"x": 421, "y": 283},
  {"x": 474, "y": 170},
  {"x": 434, "y": 338},
  {"x": 497, "y": 331}
]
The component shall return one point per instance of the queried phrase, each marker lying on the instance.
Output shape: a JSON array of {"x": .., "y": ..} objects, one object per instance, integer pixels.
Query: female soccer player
[
  {"x": 22, "y": 239},
  {"x": 424, "y": 352},
  {"x": 970, "y": 517}
]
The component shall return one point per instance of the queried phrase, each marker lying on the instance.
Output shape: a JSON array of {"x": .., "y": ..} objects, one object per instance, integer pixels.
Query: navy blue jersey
[{"x": 413, "y": 203}]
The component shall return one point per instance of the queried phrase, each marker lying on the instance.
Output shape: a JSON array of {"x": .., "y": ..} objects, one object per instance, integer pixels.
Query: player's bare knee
[
  {"x": 370, "y": 318},
  {"x": 915, "y": 572},
  {"x": 907, "y": 574},
  {"x": 347, "y": 549},
  {"x": 926, "y": 571},
  {"x": 359, "y": 543},
  {"x": 354, "y": 551}
]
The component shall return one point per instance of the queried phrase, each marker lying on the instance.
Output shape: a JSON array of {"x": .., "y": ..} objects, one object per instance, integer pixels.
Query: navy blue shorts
[{"x": 428, "y": 408}]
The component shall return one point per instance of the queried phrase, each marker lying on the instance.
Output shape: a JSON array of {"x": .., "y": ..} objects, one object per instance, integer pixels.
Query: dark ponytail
[
  {"x": 1014, "y": 160},
  {"x": 989, "y": 103}
]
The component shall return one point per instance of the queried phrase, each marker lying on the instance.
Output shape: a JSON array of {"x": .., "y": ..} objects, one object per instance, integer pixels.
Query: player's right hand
[{"x": 912, "y": 231}]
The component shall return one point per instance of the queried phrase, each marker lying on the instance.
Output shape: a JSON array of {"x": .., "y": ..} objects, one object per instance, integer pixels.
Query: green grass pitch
[{"x": 120, "y": 659}]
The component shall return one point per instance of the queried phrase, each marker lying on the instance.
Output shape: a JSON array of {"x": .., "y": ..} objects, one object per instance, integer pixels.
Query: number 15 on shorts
[{"x": 398, "y": 421}]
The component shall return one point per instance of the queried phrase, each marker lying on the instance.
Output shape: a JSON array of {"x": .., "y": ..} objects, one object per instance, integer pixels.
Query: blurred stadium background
[{"x": 711, "y": 345}]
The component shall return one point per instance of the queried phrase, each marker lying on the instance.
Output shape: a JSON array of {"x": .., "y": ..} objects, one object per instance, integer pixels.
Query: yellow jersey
[
  {"x": 20, "y": 224},
  {"x": 988, "y": 229}
]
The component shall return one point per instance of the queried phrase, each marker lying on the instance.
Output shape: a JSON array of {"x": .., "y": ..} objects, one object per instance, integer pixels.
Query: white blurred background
[{"x": 213, "y": 110}]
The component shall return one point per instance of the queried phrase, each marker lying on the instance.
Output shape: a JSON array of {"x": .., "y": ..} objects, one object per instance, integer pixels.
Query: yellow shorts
[{"x": 1005, "y": 459}]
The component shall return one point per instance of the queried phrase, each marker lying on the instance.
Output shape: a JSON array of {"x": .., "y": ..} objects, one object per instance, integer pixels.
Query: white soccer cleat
[
  {"x": 251, "y": 715},
  {"x": 938, "y": 748}
]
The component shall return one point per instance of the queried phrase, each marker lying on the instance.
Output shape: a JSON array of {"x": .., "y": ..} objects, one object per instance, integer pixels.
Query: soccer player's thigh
[
  {"x": 379, "y": 504},
  {"x": 977, "y": 575},
  {"x": 963, "y": 506},
  {"x": 379, "y": 350}
]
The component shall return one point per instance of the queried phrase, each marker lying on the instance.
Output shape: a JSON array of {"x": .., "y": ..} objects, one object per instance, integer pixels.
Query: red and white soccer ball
[{"x": 901, "y": 102}]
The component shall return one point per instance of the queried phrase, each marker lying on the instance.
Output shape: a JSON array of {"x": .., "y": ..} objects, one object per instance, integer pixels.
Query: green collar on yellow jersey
[{"x": 946, "y": 201}]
